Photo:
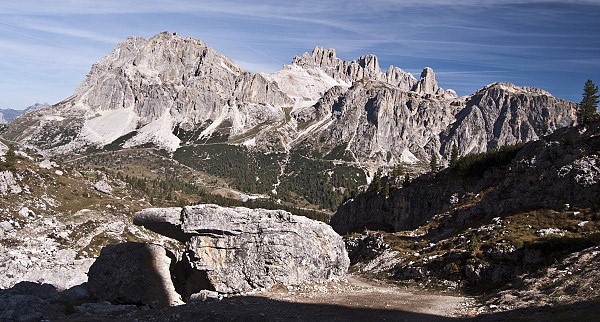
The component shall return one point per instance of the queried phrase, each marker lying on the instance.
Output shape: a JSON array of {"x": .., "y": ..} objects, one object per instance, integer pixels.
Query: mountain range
[
  {"x": 333, "y": 121},
  {"x": 10, "y": 114}
]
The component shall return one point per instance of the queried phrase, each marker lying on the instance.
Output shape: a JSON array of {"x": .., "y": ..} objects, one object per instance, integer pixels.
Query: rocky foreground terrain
[{"x": 523, "y": 222}]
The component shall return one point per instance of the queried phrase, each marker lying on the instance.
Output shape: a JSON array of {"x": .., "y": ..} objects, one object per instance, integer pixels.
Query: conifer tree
[
  {"x": 386, "y": 188},
  {"x": 454, "y": 155},
  {"x": 376, "y": 183},
  {"x": 10, "y": 157},
  {"x": 587, "y": 109},
  {"x": 434, "y": 163}
]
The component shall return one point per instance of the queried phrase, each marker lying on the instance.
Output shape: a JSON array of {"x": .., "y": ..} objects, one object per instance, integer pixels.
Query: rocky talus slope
[
  {"x": 562, "y": 168},
  {"x": 54, "y": 219},
  {"x": 523, "y": 221},
  {"x": 228, "y": 251}
]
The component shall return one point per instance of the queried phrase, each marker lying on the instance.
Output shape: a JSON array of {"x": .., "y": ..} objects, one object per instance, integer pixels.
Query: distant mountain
[
  {"x": 332, "y": 121},
  {"x": 8, "y": 115}
]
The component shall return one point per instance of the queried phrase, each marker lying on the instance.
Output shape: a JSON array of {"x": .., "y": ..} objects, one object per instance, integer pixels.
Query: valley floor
[{"x": 359, "y": 299}]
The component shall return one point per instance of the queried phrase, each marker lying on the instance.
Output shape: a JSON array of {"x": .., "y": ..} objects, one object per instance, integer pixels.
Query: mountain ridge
[
  {"x": 320, "y": 116},
  {"x": 168, "y": 66}
]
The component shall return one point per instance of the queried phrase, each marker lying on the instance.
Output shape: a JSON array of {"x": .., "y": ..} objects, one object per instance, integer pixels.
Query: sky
[{"x": 47, "y": 47}]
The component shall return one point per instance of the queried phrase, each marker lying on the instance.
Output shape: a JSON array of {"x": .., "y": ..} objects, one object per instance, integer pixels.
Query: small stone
[
  {"x": 204, "y": 295},
  {"x": 103, "y": 187}
]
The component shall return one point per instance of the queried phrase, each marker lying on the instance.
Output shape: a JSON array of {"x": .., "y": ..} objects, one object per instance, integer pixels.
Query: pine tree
[
  {"x": 434, "y": 163},
  {"x": 588, "y": 107},
  {"x": 376, "y": 183},
  {"x": 386, "y": 188},
  {"x": 397, "y": 174},
  {"x": 10, "y": 157},
  {"x": 454, "y": 155}
]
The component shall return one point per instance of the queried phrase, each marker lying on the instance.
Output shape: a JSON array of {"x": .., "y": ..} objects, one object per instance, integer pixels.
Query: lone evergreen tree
[
  {"x": 10, "y": 157},
  {"x": 454, "y": 155},
  {"x": 397, "y": 174},
  {"x": 376, "y": 183},
  {"x": 434, "y": 163},
  {"x": 386, "y": 188},
  {"x": 588, "y": 107}
]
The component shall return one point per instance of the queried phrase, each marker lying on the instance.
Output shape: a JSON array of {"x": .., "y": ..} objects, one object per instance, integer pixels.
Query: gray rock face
[
  {"x": 366, "y": 68},
  {"x": 381, "y": 124},
  {"x": 103, "y": 187},
  {"x": 503, "y": 113},
  {"x": 8, "y": 183},
  {"x": 231, "y": 250},
  {"x": 544, "y": 174},
  {"x": 133, "y": 273},
  {"x": 153, "y": 86},
  {"x": 171, "y": 90},
  {"x": 378, "y": 123},
  {"x": 427, "y": 84}
]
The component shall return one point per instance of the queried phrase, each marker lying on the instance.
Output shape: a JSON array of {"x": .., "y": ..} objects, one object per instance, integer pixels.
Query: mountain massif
[{"x": 333, "y": 120}]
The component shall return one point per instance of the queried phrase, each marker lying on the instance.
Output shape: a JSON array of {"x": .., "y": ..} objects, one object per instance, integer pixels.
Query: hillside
[{"x": 503, "y": 220}]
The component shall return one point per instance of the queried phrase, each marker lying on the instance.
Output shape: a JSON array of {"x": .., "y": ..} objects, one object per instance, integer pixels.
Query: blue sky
[{"x": 47, "y": 47}]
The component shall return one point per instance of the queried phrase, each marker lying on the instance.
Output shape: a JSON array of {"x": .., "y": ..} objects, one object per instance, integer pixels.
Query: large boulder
[
  {"x": 134, "y": 273},
  {"x": 231, "y": 250}
]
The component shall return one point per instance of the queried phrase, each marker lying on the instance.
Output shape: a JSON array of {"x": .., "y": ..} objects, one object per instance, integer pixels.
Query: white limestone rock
[
  {"x": 8, "y": 183},
  {"x": 103, "y": 187},
  {"x": 232, "y": 250}
]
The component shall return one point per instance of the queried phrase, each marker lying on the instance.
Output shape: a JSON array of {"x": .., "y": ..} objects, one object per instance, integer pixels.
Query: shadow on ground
[{"x": 249, "y": 308}]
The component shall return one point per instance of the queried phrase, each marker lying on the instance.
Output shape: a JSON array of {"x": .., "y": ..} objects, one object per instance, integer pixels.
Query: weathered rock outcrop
[
  {"x": 503, "y": 113},
  {"x": 232, "y": 250},
  {"x": 134, "y": 273},
  {"x": 8, "y": 183},
  {"x": 384, "y": 125},
  {"x": 366, "y": 68},
  {"x": 149, "y": 87},
  {"x": 562, "y": 168}
]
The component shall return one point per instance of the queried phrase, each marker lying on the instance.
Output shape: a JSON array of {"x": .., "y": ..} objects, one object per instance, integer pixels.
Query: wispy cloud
[{"x": 63, "y": 30}]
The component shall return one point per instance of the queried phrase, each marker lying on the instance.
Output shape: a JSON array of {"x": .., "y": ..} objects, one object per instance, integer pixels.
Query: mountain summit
[{"x": 171, "y": 91}]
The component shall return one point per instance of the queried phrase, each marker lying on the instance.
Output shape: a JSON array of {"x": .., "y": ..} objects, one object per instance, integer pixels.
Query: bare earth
[{"x": 356, "y": 300}]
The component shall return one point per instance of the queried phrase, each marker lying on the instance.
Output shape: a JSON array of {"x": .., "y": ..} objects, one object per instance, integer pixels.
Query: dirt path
[{"x": 356, "y": 300}]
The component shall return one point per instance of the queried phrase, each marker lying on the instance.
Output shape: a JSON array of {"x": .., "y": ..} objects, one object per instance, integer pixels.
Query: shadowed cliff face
[
  {"x": 134, "y": 273},
  {"x": 562, "y": 168}
]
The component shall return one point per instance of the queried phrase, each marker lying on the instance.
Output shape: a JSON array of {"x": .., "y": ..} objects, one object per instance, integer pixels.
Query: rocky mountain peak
[
  {"x": 427, "y": 84},
  {"x": 511, "y": 88},
  {"x": 367, "y": 68}
]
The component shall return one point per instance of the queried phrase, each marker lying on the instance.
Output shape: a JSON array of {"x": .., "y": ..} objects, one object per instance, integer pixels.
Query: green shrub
[{"x": 476, "y": 164}]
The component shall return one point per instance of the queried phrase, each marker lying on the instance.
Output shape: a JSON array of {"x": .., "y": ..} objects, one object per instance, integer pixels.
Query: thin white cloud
[{"x": 66, "y": 31}]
